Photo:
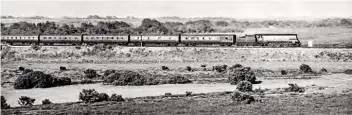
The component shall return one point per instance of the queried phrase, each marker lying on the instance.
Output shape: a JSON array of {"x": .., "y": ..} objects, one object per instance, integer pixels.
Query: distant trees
[{"x": 152, "y": 26}]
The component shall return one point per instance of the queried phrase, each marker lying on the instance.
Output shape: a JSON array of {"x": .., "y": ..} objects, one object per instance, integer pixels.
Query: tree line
[{"x": 152, "y": 26}]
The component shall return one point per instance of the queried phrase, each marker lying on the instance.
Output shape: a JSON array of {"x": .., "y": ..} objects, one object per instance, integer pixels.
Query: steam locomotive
[{"x": 267, "y": 40}]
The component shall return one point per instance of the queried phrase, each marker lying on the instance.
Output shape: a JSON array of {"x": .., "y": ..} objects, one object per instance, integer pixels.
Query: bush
[
  {"x": 188, "y": 68},
  {"x": 27, "y": 71},
  {"x": 25, "y": 101},
  {"x": 36, "y": 47},
  {"x": 46, "y": 102},
  {"x": 283, "y": 72},
  {"x": 168, "y": 94},
  {"x": 203, "y": 65},
  {"x": 305, "y": 68},
  {"x": 188, "y": 93},
  {"x": 88, "y": 95},
  {"x": 86, "y": 81},
  {"x": 237, "y": 66},
  {"x": 243, "y": 74},
  {"x": 61, "y": 81},
  {"x": 4, "y": 105},
  {"x": 102, "y": 97},
  {"x": 294, "y": 88},
  {"x": 63, "y": 68},
  {"x": 240, "y": 97},
  {"x": 164, "y": 68},
  {"x": 115, "y": 97},
  {"x": 244, "y": 86},
  {"x": 90, "y": 73},
  {"x": 348, "y": 71},
  {"x": 108, "y": 72},
  {"x": 38, "y": 79},
  {"x": 178, "y": 80},
  {"x": 323, "y": 70},
  {"x": 21, "y": 68},
  {"x": 78, "y": 47},
  {"x": 220, "y": 68}
]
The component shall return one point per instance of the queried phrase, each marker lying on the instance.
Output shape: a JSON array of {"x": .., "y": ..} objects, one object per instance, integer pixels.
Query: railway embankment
[{"x": 114, "y": 54}]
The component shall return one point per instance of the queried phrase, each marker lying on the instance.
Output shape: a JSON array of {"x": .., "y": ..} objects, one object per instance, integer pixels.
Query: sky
[{"x": 150, "y": 9}]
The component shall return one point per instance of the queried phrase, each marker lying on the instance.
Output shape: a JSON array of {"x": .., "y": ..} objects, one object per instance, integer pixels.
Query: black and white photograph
[{"x": 176, "y": 57}]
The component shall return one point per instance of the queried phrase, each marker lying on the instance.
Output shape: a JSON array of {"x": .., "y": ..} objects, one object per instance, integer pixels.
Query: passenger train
[{"x": 265, "y": 40}]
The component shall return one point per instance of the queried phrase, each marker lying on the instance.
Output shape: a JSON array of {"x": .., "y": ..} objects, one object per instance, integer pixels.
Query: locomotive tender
[{"x": 268, "y": 40}]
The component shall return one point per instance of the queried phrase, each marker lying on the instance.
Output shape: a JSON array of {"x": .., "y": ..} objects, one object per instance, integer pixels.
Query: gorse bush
[
  {"x": 108, "y": 72},
  {"x": 348, "y": 71},
  {"x": 283, "y": 72},
  {"x": 188, "y": 93},
  {"x": 220, "y": 68},
  {"x": 305, "y": 68},
  {"x": 90, "y": 73},
  {"x": 240, "y": 97},
  {"x": 167, "y": 94},
  {"x": 4, "y": 105},
  {"x": 91, "y": 96},
  {"x": 86, "y": 81},
  {"x": 323, "y": 70},
  {"x": 25, "y": 101},
  {"x": 294, "y": 88},
  {"x": 46, "y": 102},
  {"x": 188, "y": 68},
  {"x": 117, "y": 98},
  {"x": 178, "y": 80},
  {"x": 21, "y": 68},
  {"x": 63, "y": 68},
  {"x": 27, "y": 71},
  {"x": 243, "y": 74},
  {"x": 164, "y": 68},
  {"x": 38, "y": 79},
  {"x": 244, "y": 86},
  {"x": 203, "y": 65}
]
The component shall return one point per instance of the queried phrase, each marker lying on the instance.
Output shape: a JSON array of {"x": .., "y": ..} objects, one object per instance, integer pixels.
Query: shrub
[
  {"x": 294, "y": 88},
  {"x": 25, "y": 101},
  {"x": 203, "y": 65},
  {"x": 61, "y": 81},
  {"x": 348, "y": 71},
  {"x": 115, "y": 97},
  {"x": 63, "y": 68},
  {"x": 129, "y": 78},
  {"x": 46, "y": 102},
  {"x": 237, "y": 66},
  {"x": 243, "y": 74},
  {"x": 323, "y": 70},
  {"x": 4, "y": 105},
  {"x": 240, "y": 97},
  {"x": 78, "y": 47},
  {"x": 108, "y": 72},
  {"x": 35, "y": 47},
  {"x": 88, "y": 95},
  {"x": 164, "y": 68},
  {"x": 305, "y": 68},
  {"x": 168, "y": 94},
  {"x": 220, "y": 68},
  {"x": 188, "y": 68},
  {"x": 36, "y": 79},
  {"x": 102, "y": 97},
  {"x": 90, "y": 73},
  {"x": 178, "y": 80},
  {"x": 188, "y": 93},
  {"x": 27, "y": 71},
  {"x": 86, "y": 81},
  {"x": 21, "y": 68},
  {"x": 244, "y": 86},
  {"x": 283, "y": 72}
]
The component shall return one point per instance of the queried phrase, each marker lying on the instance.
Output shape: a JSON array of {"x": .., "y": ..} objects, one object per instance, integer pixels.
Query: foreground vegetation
[{"x": 213, "y": 103}]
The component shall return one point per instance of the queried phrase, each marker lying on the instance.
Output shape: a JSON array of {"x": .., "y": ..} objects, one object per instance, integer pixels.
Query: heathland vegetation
[{"x": 113, "y": 26}]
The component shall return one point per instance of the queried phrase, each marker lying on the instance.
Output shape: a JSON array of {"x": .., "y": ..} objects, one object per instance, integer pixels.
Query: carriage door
[{"x": 234, "y": 39}]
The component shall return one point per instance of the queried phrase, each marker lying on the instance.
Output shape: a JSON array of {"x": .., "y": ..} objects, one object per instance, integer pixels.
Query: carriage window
[
  {"x": 226, "y": 38},
  {"x": 148, "y": 38},
  {"x": 186, "y": 38},
  {"x": 159, "y": 37},
  {"x": 209, "y": 38},
  {"x": 44, "y": 37},
  {"x": 203, "y": 38},
  {"x": 76, "y": 38},
  {"x": 49, "y": 37},
  {"x": 170, "y": 38},
  {"x": 15, "y": 37},
  {"x": 197, "y": 38},
  {"x": 20, "y": 37}
]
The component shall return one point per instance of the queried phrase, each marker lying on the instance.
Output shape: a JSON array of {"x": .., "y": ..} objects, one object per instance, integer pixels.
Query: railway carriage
[
  {"x": 121, "y": 40},
  {"x": 54, "y": 39},
  {"x": 207, "y": 39},
  {"x": 20, "y": 39},
  {"x": 247, "y": 40},
  {"x": 160, "y": 40}
]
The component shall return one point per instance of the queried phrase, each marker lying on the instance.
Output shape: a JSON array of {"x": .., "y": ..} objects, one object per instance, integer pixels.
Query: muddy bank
[{"x": 106, "y": 54}]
